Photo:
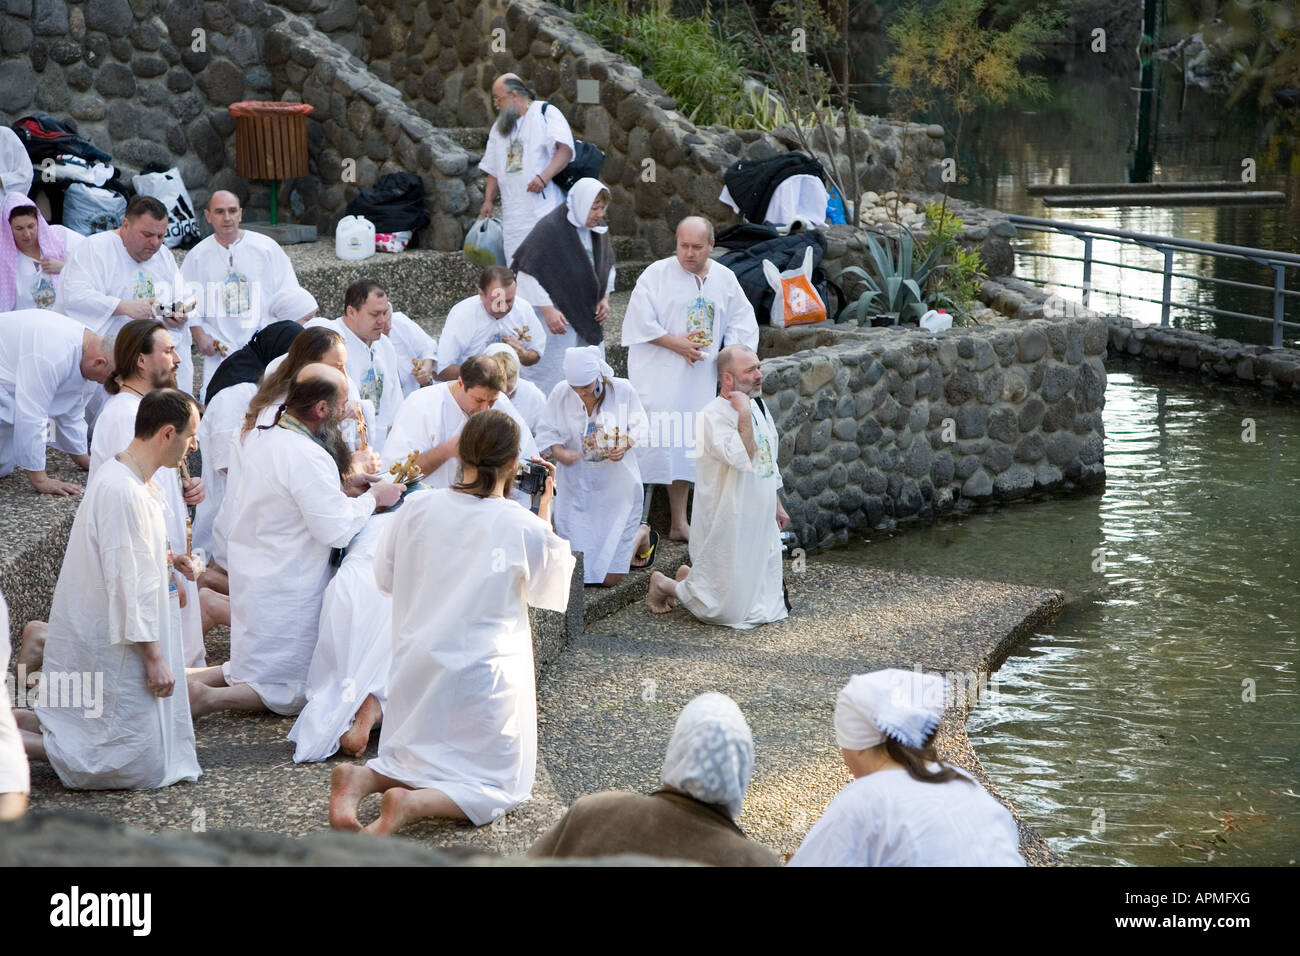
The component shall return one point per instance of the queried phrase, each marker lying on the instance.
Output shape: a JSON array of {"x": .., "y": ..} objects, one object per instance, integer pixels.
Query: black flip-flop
[{"x": 650, "y": 555}]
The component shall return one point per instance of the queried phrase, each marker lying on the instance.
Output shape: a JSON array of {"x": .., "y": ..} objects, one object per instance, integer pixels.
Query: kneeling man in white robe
[
  {"x": 107, "y": 717},
  {"x": 734, "y": 577},
  {"x": 292, "y": 509}
]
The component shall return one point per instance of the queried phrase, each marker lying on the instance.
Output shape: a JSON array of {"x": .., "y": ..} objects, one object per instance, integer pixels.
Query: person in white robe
[
  {"x": 32, "y": 255},
  {"x": 235, "y": 274},
  {"x": 16, "y": 171},
  {"x": 593, "y": 427},
  {"x": 291, "y": 511},
  {"x": 313, "y": 345},
  {"x": 116, "y": 276},
  {"x": 47, "y": 362},
  {"x": 494, "y": 314},
  {"x": 734, "y": 577},
  {"x": 227, "y": 398},
  {"x": 682, "y": 312},
  {"x": 431, "y": 420},
  {"x": 109, "y": 714},
  {"x": 529, "y": 143},
  {"x": 565, "y": 268},
  {"x": 526, "y": 397},
  {"x": 15, "y": 777},
  {"x": 905, "y": 807},
  {"x": 416, "y": 351},
  {"x": 146, "y": 359},
  {"x": 347, "y": 683},
  {"x": 459, "y": 737},
  {"x": 372, "y": 361}
]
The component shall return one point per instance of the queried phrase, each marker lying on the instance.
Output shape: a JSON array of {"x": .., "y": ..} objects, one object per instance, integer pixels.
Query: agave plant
[{"x": 899, "y": 283}]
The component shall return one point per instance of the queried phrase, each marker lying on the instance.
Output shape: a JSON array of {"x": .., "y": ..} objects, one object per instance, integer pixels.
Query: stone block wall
[{"x": 882, "y": 426}]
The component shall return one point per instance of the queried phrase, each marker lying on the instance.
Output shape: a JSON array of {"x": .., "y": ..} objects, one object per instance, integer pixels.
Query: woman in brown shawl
[
  {"x": 565, "y": 270},
  {"x": 692, "y": 816}
]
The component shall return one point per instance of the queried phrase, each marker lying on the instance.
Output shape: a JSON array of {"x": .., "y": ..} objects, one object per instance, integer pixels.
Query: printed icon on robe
[
  {"x": 372, "y": 386},
  {"x": 765, "y": 468},
  {"x": 515, "y": 156},
  {"x": 592, "y": 447},
  {"x": 143, "y": 285},
  {"x": 699, "y": 322},
  {"x": 235, "y": 295},
  {"x": 43, "y": 291}
]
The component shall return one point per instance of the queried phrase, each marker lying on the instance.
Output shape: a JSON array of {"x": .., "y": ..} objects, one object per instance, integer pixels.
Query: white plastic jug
[
  {"x": 936, "y": 321},
  {"x": 354, "y": 238}
]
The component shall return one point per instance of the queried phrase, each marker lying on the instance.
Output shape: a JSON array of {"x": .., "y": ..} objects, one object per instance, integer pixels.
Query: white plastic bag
[
  {"x": 90, "y": 209},
  {"x": 485, "y": 243},
  {"x": 796, "y": 301},
  {"x": 169, "y": 189}
]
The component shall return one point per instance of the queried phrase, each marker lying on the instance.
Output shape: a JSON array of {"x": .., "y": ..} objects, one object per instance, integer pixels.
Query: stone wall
[
  {"x": 396, "y": 85},
  {"x": 881, "y": 426}
]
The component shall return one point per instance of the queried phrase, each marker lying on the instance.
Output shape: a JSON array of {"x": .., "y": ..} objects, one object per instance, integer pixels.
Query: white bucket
[{"x": 354, "y": 238}]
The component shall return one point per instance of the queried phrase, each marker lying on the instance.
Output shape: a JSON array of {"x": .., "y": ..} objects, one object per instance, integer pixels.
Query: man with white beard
[
  {"x": 145, "y": 360},
  {"x": 292, "y": 510},
  {"x": 734, "y": 577},
  {"x": 111, "y": 624},
  {"x": 683, "y": 310},
  {"x": 527, "y": 146},
  {"x": 46, "y": 361},
  {"x": 239, "y": 273}
]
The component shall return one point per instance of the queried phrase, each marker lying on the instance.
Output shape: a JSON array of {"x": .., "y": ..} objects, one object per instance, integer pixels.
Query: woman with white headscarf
[
  {"x": 591, "y": 426},
  {"x": 905, "y": 807},
  {"x": 692, "y": 816},
  {"x": 565, "y": 270}
]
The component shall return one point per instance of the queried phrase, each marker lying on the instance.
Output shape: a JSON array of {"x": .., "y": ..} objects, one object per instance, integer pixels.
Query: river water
[
  {"x": 1087, "y": 133},
  {"x": 1155, "y": 721}
]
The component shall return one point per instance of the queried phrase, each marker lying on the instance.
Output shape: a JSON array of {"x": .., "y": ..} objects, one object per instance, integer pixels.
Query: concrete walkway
[{"x": 608, "y": 704}]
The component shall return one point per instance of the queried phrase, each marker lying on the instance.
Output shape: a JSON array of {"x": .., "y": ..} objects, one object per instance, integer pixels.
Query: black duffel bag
[{"x": 394, "y": 204}]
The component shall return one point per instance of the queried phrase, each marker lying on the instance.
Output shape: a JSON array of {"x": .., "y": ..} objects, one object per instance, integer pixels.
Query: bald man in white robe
[{"x": 734, "y": 578}]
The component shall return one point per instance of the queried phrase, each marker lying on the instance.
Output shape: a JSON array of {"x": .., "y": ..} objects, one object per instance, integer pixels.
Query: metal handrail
[
  {"x": 1279, "y": 262},
  {"x": 1143, "y": 298}
]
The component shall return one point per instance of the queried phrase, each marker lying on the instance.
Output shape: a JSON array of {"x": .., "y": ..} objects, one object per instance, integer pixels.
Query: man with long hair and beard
[
  {"x": 294, "y": 507},
  {"x": 529, "y": 143}
]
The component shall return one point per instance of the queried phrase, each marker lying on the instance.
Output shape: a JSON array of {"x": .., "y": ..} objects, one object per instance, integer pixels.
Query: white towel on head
[{"x": 904, "y": 705}]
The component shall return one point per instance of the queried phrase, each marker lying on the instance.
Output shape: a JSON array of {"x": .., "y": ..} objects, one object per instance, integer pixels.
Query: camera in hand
[{"x": 530, "y": 478}]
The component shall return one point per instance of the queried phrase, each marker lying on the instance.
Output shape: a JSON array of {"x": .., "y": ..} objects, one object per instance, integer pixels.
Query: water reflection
[{"x": 1126, "y": 732}]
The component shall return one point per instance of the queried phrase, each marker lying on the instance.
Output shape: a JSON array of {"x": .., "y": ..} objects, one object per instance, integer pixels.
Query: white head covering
[
  {"x": 500, "y": 348},
  {"x": 581, "y": 195},
  {"x": 711, "y": 753},
  {"x": 290, "y": 304},
  {"x": 905, "y": 705},
  {"x": 582, "y": 366}
]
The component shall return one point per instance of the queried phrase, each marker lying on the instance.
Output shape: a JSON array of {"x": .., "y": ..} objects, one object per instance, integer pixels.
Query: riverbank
[{"x": 606, "y": 709}]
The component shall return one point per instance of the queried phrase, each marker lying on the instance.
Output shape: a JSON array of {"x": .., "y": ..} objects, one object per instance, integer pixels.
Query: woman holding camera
[
  {"x": 590, "y": 426},
  {"x": 459, "y": 737}
]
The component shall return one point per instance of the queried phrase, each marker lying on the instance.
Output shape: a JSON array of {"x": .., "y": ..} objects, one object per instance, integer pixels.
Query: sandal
[{"x": 649, "y": 556}]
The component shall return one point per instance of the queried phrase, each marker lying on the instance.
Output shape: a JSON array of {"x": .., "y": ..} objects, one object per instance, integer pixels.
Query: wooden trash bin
[{"x": 271, "y": 143}]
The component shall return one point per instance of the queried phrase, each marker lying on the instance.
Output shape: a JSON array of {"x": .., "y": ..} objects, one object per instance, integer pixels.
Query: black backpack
[
  {"x": 784, "y": 252},
  {"x": 586, "y": 162},
  {"x": 394, "y": 204}
]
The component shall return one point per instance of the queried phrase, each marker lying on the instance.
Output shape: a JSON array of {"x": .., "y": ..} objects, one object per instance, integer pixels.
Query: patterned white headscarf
[
  {"x": 711, "y": 753},
  {"x": 582, "y": 195},
  {"x": 905, "y": 705}
]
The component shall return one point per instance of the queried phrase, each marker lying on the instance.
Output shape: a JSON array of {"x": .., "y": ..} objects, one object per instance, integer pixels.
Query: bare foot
[
  {"x": 395, "y": 812},
  {"x": 347, "y": 787},
  {"x": 357, "y": 738},
  {"x": 684, "y": 570},
  {"x": 200, "y": 702},
  {"x": 680, "y": 534},
  {"x": 662, "y": 596},
  {"x": 31, "y": 652}
]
